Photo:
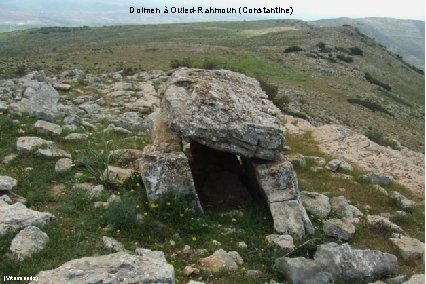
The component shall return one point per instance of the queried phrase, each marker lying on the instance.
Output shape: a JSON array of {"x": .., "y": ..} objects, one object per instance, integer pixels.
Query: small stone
[
  {"x": 346, "y": 166},
  {"x": 63, "y": 165},
  {"x": 416, "y": 279},
  {"x": 186, "y": 249},
  {"x": 112, "y": 244},
  {"x": 378, "y": 179},
  {"x": 316, "y": 203},
  {"x": 76, "y": 136},
  {"x": 333, "y": 165},
  {"x": 409, "y": 248},
  {"x": 342, "y": 229},
  {"x": 384, "y": 223},
  {"x": 242, "y": 245},
  {"x": 7, "y": 183},
  {"x": 9, "y": 158},
  {"x": 405, "y": 203},
  {"x": 6, "y": 199},
  {"x": 100, "y": 204},
  {"x": 62, "y": 87},
  {"x": 28, "y": 241},
  {"x": 220, "y": 260},
  {"x": 189, "y": 270},
  {"x": 254, "y": 273},
  {"x": 28, "y": 144},
  {"x": 380, "y": 189},
  {"x": 283, "y": 241},
  {"x": 216, "y": 243},
  {"x": 172, "y": 243},
  {"x": 53, "y": 152},
  {"x": 47, "y": 127},
  {"x": 113, "y": 198},
  {"x": 116, "y": 174}
]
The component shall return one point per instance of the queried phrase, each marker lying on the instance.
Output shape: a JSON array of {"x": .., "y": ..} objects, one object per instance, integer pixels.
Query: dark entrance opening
[{"x": 219, "y": 177}]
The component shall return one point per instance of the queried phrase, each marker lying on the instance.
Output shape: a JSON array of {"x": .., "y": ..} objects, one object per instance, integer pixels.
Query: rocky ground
[{"x": 74, "y": 207}]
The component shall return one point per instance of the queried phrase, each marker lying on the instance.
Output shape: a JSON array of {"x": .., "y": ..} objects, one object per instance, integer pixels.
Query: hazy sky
[{"x": 117, "y": 11}]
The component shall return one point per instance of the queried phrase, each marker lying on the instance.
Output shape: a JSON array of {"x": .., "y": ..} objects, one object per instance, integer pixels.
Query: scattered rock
[
  {"x": 9, "y": 158},
  {"x": 254, "y": 273},
  {"x": 18, "y": 216},
  {"x": 76, "y": 136},
  {"x": 221, "y": 260},
  {"x": 7, "y": 183},
  {"x": 397, "y": 280},
  {"x": 112, "y": 244},
  {"x": 316, "y": 203},
  {"x": 53, "y": 152},
  {"x": 92, "y": 189},
  {"x": 6, "y": 199},
  {"x": 62, "y": 87},
  {"x": 189, "y": 270},
  {"x": 333, "y": 262},
  {"x": 47, "y": 127},
  {"x": 28, "y": 144},
  {"x": 333, "y": 165},
  {"x": 416, "y": 279},
  {"x": 116, "y": 174},
  {"x": 409, "y": 248},
  {"x": 40, "y": 100},
  {"x": 120, "y": 267},
  {"x": 63, "y": 165},
  {"x": 342, "y": 229},
  {"x": 405, "y": 203},
  {"x": 384, "y": 223},
  {"x": 341, "y": 207},
  {"x": 378, "y": 179},
  {"x": 285, "y": 242},
  {"x": 28, "y": 241},
  {"x": 242, "y": 245}
]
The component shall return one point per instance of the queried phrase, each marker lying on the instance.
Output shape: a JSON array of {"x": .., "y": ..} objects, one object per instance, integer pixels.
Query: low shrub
[
  {"x": 347, "y": 59},
  {"x": 375, "y": 81},
  {"x": 270, "y": 89},
  {"x": 373, "y": 106},
  {"x": 381, "y": 140},
  {"x": 356, "y": 51},
  {"x": 293, "y": 48},
  {"x": 120, "y": 214},
  {"x": 185, "y": 62}
]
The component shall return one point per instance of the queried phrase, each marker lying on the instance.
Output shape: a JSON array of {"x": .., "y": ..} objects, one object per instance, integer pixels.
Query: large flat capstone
[{"x": 223, "y": 110}]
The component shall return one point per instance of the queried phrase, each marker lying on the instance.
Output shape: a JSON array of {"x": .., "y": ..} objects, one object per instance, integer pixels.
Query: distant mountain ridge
[{"x": 403, "y": 37}]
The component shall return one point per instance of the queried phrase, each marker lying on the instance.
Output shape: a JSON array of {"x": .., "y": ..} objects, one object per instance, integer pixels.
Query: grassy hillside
[{"x": 326, "y": 81}]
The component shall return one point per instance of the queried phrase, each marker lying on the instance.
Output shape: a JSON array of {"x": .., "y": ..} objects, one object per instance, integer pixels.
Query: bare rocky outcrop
[
  {"x": 118, "y": 267},
  {"x": 404, "y": 166}
]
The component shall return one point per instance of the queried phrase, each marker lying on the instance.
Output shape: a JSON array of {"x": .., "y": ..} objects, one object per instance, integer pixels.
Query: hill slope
[
  {"x": 403, "y": 37},
  {"x": 339, "y": 76}
]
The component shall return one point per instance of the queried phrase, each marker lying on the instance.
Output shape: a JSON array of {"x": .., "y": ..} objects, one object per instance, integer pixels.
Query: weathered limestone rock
[
  {"x": 118, "y": 267},
  {"x": 383, "y": 222},
  {"x": 167, "y": 174},
  {"x": 345, "y": 263},
  {"x": 333, "y": 262},
  {"x": 7, "y": 183},
  {"x": 53, "y": 152},
  {"x": 112, "y": 244},
  {"x": 405, "y": 203},
  {"x": 221, "y": 260},
  {"x": 116, "y": 174},
  {"x": 28, "y": 241},
  {"x": 40, "y": 100},
  {"x": 409, "y": 248},
  {"x": 290, "y": 218},
  {"x": 93, "y": 190},
  {"x": 416, "y": 279},
  {"x": 28, "y": 144},
  {"x": 316, "y": 203},
  {"x": 342, "y": 229},
  {"x": 62, "y": 87},
  {"x": 341, "y": 207},
  {"x": 301, "y": 270},
  {"x": 76, "y": 136},
  {"x": 63, "y": 165},
  {"x": 285, "y": 242},
  {"x": 47, "y": 127},
  {"x": 223, "y": 110},
  {"x": 278, "y": 183},
  {"x": 18, "y": 216}
]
